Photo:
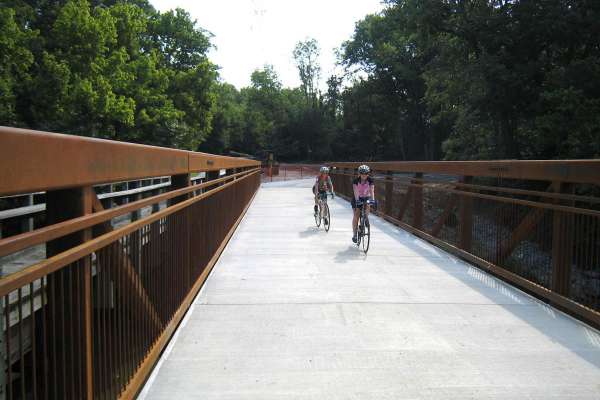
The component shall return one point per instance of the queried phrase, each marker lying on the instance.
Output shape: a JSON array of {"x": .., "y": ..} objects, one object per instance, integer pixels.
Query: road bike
[
  {"x": 363, "y": 234},
  {"x": 322, "y": 214}
]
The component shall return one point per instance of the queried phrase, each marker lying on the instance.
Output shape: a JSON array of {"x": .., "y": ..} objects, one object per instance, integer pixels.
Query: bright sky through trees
[{"x": 251, "y": 33}]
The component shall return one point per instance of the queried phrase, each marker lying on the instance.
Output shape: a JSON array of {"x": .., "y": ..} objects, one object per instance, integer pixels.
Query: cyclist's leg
[
  {"x": 367, "y": 206},
  {"x": 355, "y": 221},
  {"x": 319, "y": 201},
  {"x": 320, "y": 207}
]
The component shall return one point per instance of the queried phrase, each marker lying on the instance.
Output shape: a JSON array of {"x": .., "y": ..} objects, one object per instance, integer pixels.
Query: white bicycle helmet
[
  {"x": 364, "y": 169},
  {"x": 324, "y": 170}
]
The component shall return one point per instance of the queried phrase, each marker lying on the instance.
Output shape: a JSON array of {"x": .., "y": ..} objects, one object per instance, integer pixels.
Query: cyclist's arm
[
  {"x": 355, "y": 189},
  {"x": 330, "y": 183},
  {"x": 372, "y": 186}
]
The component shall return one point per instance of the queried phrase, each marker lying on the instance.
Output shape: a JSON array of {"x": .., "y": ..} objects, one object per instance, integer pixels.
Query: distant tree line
[{"x": 424, "y": 80}]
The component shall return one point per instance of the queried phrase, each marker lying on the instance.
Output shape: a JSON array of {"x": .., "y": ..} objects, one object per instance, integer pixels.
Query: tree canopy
[
  {"x": 423, "y": 80},
  {"x": 118, "y": 70}
]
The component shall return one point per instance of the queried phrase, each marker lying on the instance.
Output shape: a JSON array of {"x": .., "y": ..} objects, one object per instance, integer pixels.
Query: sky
[{"x": 251, "y": 33}]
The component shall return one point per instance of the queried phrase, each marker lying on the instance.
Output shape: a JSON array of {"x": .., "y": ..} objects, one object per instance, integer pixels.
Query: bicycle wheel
[
  {"x": 327, "y": 217},
  {"x": 366, "y": 235},
  {"x": 359, "y": 232},
  {"x": 318, "y": 216}
]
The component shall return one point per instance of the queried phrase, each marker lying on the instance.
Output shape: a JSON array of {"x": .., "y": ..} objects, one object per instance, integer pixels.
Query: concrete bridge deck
[{"x": 293, "y": 312}]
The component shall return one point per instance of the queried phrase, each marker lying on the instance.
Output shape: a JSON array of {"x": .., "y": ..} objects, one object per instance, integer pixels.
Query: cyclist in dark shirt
[{"x": 322, "y": 183}]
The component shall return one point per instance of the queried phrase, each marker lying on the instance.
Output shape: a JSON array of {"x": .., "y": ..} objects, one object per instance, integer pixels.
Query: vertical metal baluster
[
  {"x": 99, "y": 331},
  {"x": 44, "y": 331},
  {"x": 106, "y": 322},
  {"x": 122, "y": 277},
  {"x": 152, "y": 260},
  {"x": 130, "y": 315},
  {"x": 61, "y": 274},
  {"x": 69, "y": 270},
  {"x": 121, "y": 288},
  {"x": 174, "y": 271},
  {"x": 78, "y": 366},
  {"x": 21, "y": 348},
  {"x": 110, "y": 297},
  {"x": 139, "y": 327},
  {"x": 596, "y": 256},
  {"x": 143, "y": 323},
  {"x": 120, "y": 261},
  {"x": 579, "y": 254},
  {"x": 177, "y": 258},
  {"x": 33, "y": 341},
  {"x": 148, "y": 328},
  {"x": 54, "y": 336},
  {"x": 588, "y": 258},
  {"x": 8, "y": 349}
]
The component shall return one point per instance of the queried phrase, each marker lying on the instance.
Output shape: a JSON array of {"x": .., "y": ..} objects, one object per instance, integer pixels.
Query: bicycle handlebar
[{"x": 360, "y": 203}]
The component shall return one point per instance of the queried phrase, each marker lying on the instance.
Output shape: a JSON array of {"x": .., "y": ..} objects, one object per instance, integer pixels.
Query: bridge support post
[
  {"x": 62, "y": 205},
  {"x": 389, "y": 193},
  {"x": 212, "y": 175},
  {"x": 27, "y": 223},
  {"x": 466, "y": 218},
  {"x": 232, "y": 171},
  {"x": 3, "y": 356},
  {"x": 135, "y": 215},
  {"x": 562, "y": 246},
  {"x": 179, "y": 182},
  {"x": 351, "y": 175},
  {"x": 155, "y": 206},
  {"x": 418, "y": 201}
]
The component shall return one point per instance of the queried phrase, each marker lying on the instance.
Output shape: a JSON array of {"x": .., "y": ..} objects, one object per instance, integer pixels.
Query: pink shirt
[{"x": 362, "y": 189}]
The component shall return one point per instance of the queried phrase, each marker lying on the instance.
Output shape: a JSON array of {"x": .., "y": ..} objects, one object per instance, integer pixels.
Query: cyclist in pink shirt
[{"x": 364, "y": 189}]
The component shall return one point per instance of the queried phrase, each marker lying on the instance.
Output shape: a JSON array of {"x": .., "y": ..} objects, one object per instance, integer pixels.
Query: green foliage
[
  {"x": 15, "y": 62},
  {"x": 428, "y": 79},
  {"x": 488, "y": 79},
  {"x": 306, "y": 55},
  {"x": 113, "y": 69}
]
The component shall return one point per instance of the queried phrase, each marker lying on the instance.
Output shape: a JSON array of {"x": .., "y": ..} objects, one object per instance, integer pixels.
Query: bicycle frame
[{"x": 322, "y": 204}]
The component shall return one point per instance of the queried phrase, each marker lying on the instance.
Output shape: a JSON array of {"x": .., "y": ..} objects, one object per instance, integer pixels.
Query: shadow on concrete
[
  {"x": 351, "y": 253},
  {"x": 310, "y": 231},
  {"x": 574, "y": 335}
]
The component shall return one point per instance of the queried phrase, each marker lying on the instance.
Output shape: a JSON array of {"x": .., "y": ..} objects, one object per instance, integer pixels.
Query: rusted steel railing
[
  {"x": 90, "y": 320},
  {"x": 286, "y": 172},
  {"x": 535, "y": 224}
]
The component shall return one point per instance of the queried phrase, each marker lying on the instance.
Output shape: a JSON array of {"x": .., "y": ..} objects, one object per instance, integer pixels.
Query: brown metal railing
[
  {"x": 286, "y": 172},
  {"x": 536, "y": 224},
  {"x": 91, "y": 319}
]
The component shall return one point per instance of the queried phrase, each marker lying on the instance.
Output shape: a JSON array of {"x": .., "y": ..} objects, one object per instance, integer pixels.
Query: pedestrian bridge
[{"x": 473, "y": 287}]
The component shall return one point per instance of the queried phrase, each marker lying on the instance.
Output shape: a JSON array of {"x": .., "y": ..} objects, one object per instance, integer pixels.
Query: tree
[
  {"x": 111, "y": 69},
  {"x": 306, "y": 55},
  {"x": 15, "y": 62}
]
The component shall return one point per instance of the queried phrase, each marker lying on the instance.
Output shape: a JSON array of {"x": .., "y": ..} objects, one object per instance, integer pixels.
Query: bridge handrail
[
  {"x": 75, "y": 161},
  {"x": 580, "y": 171}
]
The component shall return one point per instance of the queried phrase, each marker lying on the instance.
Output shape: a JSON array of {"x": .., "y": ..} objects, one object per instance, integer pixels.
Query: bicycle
[
  {"x": 363, "y": 234},
  {"x": 323, "y": 212}
]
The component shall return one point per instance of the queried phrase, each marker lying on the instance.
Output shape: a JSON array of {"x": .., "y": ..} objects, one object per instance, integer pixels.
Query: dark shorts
[
  {"x": 363, "y": 199},
  {"x": 322, "y": 193}
]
